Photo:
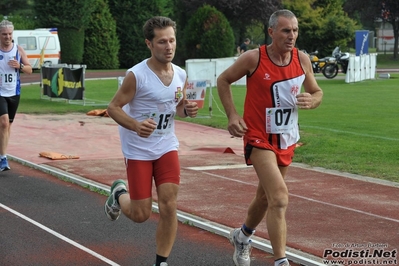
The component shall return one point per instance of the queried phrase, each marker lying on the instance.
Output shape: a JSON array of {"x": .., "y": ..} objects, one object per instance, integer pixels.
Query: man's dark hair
[{"x": 157, "y": 22}]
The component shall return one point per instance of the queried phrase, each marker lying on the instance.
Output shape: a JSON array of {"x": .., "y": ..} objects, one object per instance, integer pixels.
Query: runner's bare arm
[
  {"x": 26, "y": 66},
  {"x": 313, "y": 94},
  {"x": 123, "y": 96}
]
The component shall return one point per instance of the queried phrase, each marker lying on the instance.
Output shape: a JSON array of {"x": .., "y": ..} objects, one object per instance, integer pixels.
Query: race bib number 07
[{"x": 280, "y": 120}]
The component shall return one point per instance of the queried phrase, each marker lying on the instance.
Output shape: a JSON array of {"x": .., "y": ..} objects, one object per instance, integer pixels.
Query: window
[
  {"x": 28, "y": 43},
  {"x": 47, "y": 42}
]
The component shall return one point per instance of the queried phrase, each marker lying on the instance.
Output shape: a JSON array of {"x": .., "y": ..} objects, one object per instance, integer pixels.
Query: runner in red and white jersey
[{"x": 275, "y": 75}]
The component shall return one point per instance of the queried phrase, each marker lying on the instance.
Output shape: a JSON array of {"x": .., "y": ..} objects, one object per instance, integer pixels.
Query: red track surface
[{"x": 326, "y": 209}]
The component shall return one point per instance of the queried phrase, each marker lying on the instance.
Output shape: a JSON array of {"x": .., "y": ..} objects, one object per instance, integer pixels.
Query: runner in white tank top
[
  {"x": 10, "y": 82},
  {"x": 153, "y": 92},
  {"x": 13, "y": 60},
  {"x": 157, "y": 101}
]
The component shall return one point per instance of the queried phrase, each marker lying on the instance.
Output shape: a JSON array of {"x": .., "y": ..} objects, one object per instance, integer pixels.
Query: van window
[
  {"x": 28, "y": 43},
  {"x": 48, "y": 43}
]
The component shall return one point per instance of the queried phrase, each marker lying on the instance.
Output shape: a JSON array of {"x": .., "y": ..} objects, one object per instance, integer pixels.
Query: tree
[
  {"x": 386, "y": 11},
  {"x": 14, "y": 7},
  {"x": 20, "y": 22},
  {"x": 256, "y": 33},
  {"x": 209, "y": 35},
  {"x": 322, "y": 25},
  {"x": 390, "y": 14},
  {"x": 101, "y": 44},
  {"x": 130, "y": 17},
  {"x": 240, "y": 13},
  {"x": 19, "y": 12},
  {"x": 71, "y": 17}
]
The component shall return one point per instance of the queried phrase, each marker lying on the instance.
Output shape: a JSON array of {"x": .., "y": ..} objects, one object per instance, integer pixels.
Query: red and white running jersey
[{"x": 270, "y": 110}]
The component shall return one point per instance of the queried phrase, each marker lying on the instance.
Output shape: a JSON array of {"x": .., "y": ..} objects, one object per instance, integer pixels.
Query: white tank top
[
  {"x": 10, "y": 84},
  {"x": 153, "y": 100}
]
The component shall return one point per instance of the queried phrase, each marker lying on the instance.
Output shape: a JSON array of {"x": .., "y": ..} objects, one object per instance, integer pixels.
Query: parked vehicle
[
  {"x": 320, "y": 64},
  {"x": 342, "y": 59},
  {"x": 42, "y": 46}
]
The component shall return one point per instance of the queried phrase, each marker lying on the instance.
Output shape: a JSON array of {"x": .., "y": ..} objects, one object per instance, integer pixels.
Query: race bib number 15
[
  {"x": 164, "y": 121},
  {"x": 280, "y": 120}
]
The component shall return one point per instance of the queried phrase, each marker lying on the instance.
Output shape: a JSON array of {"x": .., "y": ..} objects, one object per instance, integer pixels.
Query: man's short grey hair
[
  {"x": 6, "y": 24},
  {"x": 279, "y": 13}
]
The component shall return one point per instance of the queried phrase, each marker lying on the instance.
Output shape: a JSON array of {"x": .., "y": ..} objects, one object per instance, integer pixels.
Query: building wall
[{"x": 385, "y": 40}]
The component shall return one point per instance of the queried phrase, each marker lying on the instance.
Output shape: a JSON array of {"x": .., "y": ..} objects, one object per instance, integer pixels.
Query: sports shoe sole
[
  {"x": 5, "y": 168},
  {"x": 106, "y": 207}
]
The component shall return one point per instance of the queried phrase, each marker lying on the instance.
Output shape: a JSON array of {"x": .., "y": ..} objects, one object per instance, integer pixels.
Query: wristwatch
[{"x": 21, "y": 66}]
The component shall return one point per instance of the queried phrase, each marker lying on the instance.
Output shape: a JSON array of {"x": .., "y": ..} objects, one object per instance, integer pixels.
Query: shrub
[
  {"x": 209, "y": 34},
  {"x": 130, "y": 17},
  {"x": 71, "y": 18},
  {"x": 101, "y": 45}
]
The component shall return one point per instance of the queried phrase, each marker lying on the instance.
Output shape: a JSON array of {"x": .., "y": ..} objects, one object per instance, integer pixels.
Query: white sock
[
  {"x": 243, "y": 238},
  {"x": 280, "y": 261}
]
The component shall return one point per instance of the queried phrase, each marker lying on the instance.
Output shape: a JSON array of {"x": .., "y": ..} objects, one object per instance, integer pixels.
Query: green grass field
[
  {"x": 355, "y": 129},
  {"x": 387, "y": 61},
  {"x": 98, "y": 91}
]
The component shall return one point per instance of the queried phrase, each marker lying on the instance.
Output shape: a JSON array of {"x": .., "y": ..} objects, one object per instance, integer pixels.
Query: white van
[{"x": 42, "y": 46}]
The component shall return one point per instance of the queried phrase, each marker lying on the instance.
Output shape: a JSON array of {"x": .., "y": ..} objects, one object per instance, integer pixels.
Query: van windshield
[{"x": 28, "y": 43}]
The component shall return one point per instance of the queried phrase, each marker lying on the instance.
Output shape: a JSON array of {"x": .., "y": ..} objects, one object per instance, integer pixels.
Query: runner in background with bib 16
[{"x": 13, "y": 60}]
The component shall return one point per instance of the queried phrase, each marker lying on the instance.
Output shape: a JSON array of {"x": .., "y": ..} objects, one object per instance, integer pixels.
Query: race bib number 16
[
  {"x": 280, "y": 120},
  {"x": 8, "y": 79}
]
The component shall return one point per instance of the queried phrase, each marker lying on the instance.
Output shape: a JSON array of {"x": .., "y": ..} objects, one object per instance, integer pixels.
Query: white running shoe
[
  {"x": 111, "y": 206},
  {"x": 242, "y": 251}
]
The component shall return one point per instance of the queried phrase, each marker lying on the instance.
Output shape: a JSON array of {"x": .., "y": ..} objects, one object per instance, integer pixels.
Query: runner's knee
[
  {"x": 139, "y": 211},
  {"x": 278, "y": 200},
  {"x": 4, "y": 122},
  {"x": 140, "y": 215},
  {"x": 167, "y": 207}
]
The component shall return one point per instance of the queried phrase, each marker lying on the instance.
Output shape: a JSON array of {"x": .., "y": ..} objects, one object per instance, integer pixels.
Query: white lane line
[
  {"x": 60, "y": 236},
  {"x": 217, "y": 167},
  {"x": 298, "y": 256},
  {"x": 310, "y": 199},
  {"x": 353, "y": 133},
  {"x": 347, "y": 208}
]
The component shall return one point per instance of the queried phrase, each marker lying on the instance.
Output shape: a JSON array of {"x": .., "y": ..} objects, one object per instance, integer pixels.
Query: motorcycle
[
  {"x": 342, "y": 59},
  {"x": 320, "y": 64}
]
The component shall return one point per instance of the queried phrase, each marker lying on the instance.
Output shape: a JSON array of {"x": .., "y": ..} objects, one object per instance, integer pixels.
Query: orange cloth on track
[{"x": 57, "y": 156}]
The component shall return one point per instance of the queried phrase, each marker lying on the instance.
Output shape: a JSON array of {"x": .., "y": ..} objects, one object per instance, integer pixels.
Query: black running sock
[
  {"x": 120, "y": 192},
  {"x": 159, "y": 260}
]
